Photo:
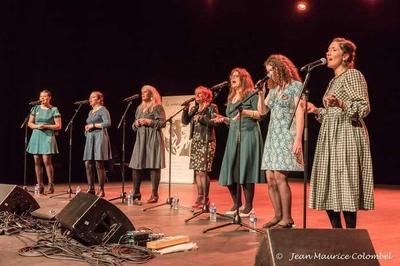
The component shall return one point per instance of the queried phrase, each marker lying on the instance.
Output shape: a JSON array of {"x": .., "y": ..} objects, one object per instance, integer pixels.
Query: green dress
[
  {"x": 250, "y": 148},
  {"x": 43, "y": 141}
]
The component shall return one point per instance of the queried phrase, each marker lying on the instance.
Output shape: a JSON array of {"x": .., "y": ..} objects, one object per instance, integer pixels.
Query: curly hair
[
  {"x": 246, "y": 84},
  {"x": 347, "y": 47},
  {"x": 284, "y": 69},
  {"x": 155, "y": 98},
  {"x": 207, "y": 93}
]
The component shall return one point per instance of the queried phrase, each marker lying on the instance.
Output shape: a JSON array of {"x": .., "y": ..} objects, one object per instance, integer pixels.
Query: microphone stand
[
  {"x": 236, "y": 219},
  {"x": 70, "y": 126},
  {"x": 305, "y": 93},
  {"x": 25, "y": 124},
  {"x": 122, "y": 196},
  {"x": 169, "y": 199}
]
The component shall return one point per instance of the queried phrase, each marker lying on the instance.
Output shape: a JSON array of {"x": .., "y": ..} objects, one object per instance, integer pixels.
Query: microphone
[
  {"x": 82, "y": 102},
  {"x": 131, "y": 98},
  {"x": 311, "y": 65},
  {"x": 219, "y": 86},
  {"x": 260, "y": 83},
  {"x": 35, "y": 102},
  {"x": 187, "y": 101}
]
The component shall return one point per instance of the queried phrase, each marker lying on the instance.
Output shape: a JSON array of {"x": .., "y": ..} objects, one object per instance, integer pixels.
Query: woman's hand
[
  {"x": 89, "y": 127},
  {"x": 145, "y": 122},
  {"x": 41, "y": 126},
  {"x": 332, "y": 101},
  {"x": 297, "y": 147},
  {"x": 311, "y": 108}
]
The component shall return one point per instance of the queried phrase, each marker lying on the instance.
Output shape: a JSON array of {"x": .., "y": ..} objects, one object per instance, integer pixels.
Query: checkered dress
[{"x": 341, "y": 178}]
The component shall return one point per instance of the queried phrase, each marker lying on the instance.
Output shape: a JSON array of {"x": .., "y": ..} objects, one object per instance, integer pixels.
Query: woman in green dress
[
  {"x": 44, "y": 119},
  {"x": 283, "y": 145},
  {"x": 97, "y": 146},
  {"x": 342, "y": 178},
  {"x": 247, "y": 172}
]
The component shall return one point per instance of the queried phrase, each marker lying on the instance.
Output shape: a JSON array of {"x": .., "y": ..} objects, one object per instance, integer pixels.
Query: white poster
[{"x": 180, "y": 143}]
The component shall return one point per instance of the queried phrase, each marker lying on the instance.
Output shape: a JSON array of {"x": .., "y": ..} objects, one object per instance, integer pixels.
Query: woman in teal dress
[
  {"x": 283, "y": 146},
  {"x": 97, "y": 146},
  {"x": 342, "y": 178},
  {"x": 248, "y": 172},
  {"x": 44, "y": 120}
]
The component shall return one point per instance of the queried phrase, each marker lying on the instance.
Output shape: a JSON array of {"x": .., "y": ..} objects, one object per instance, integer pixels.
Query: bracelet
[
  {"x": 252, "y": 114},
  {"x": 94, "y": 125}
]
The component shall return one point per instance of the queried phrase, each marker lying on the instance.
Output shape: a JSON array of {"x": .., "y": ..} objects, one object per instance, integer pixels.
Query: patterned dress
[
  {"x": 148, "y": 152},
  {"x": 278, "y": 153},
  {"x": 43, "y": 141},
  {"x": 97, "y": 146},
  {"x": 250, "y": 148},
  {"x": 203, "y": 145},
  {"x": 342, "y": 178}
]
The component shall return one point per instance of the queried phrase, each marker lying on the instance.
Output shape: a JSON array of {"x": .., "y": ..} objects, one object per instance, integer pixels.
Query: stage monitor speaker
[
  {"x": 93, "y": 220},
  {"x": 316, "y": 247},
  {"x": 16, "y": 200}
]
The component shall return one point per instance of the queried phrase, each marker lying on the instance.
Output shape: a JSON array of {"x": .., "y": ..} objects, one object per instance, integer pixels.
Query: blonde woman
[
  {"x": 97, "y": 147},
  {"x": 148, "y": 152}
]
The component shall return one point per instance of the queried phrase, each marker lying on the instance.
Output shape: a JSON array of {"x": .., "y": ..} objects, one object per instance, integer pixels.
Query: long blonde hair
[
  {"x": 246, "y": 84},
  {"x": 155, "y": 99}
]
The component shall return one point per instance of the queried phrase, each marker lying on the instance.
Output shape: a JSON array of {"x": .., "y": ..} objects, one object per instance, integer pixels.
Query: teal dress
[
  {"x": 250, "y": 149},
  {"x": 43, "y": 141},
  {"x": 97, "y": 146},
  {"x": 278, "y": 153}
]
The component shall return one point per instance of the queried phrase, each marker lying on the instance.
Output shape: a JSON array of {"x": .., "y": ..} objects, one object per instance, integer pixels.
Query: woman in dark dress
[
  {"x": 44, "y": 120},
  {"x": 203, "y": 144},
  {"x": 148, "y": 152},
  {"x": 97, "y": 147},
  {"x": 247, "y": 172}
]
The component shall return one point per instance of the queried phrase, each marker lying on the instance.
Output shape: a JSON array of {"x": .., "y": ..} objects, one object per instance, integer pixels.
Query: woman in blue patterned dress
[
  {"x": 342, "y": 177},
  {"x": 247, "y": 172},
  {"x": 283, "y": 146},
  {"x": 44, "y": 120},
  {"x": 148, "y": 152},
  {"x": 97, "y": 146}
]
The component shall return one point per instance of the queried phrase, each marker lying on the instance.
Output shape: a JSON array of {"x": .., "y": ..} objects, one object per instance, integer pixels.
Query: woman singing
[
  {"x": 283, "y": 145},
  {"x": 148, "y": 152},
  {"x": 247, "y": 172},
  {"x": 97, "y": 147},
  {"x": 44, "y": 119},
  {"x": 342, "y": 178},
  {"x": 203, "y": 145}
]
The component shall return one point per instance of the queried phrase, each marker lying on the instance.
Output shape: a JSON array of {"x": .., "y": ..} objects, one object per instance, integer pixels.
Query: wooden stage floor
[{"x": 230, "y": 245}]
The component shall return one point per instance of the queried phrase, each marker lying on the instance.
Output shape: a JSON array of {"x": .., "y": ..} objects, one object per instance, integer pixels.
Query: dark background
[{"x": 74, "y": 47}]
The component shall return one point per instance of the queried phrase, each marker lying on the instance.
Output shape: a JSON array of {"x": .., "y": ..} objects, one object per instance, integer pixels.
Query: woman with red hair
[
  {"x": 203, "y": 144},
  {"x": 247, "y": 172}
]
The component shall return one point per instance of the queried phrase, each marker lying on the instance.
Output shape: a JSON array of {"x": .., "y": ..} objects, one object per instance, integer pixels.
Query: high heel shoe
[
  {"x": 137, "y": 196},
  {"x": 41, "y": 190},
  {"x": 50, "y": 188},
  {"x": 91, "y": 190},
  {"x": 153, "y": 199},
  {"x": 100, "y": 193}
]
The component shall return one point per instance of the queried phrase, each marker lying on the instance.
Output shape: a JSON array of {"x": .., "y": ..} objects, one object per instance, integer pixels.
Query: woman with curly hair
[
  {"x": 283, "y": 145},
  {"x": 247, "y": 172},
  {"x": 342, "y": 178},
  {"x": 148, "y": 152},
  {"x": 203, "y": 144}
]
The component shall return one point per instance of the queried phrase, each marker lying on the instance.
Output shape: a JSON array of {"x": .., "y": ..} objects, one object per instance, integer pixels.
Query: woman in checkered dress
[{"x": 341, "y": 179}]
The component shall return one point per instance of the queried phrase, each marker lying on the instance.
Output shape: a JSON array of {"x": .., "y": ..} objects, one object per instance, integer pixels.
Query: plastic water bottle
[
  {"x": 253, "y": 221},
  {"x": 37, "y": 190},
  {"x": 78, "y": 189},
  {"x": 213, "y": 213},
  {"x": 175, "y": 202},
  {"x": 130, "y": 198}
]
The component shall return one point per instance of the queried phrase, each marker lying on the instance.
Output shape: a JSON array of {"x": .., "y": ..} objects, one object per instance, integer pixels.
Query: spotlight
[{"x": 301, "y": 6}]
